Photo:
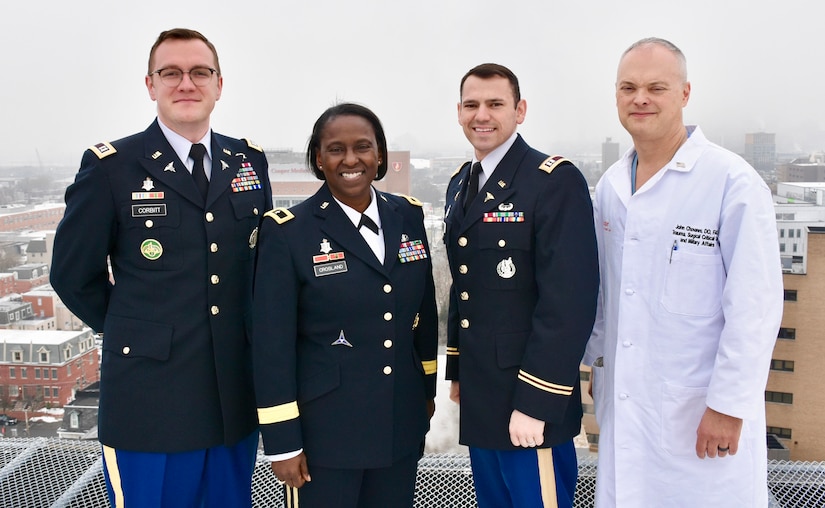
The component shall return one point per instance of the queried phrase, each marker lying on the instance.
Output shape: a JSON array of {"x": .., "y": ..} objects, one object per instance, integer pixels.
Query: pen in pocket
[{"x": 675, "y": 247}]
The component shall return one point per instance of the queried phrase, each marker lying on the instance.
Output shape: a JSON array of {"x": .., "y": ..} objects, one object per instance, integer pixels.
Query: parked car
[{"x": 8, "y": 420}]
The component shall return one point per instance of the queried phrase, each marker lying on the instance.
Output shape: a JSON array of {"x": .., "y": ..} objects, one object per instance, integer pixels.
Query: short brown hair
[
  {"x": 182, "y": 34},
  {"x": 491, "y": 70}
]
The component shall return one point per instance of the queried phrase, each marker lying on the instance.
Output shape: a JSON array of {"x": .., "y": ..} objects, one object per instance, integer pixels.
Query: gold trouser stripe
[
  {"x": 430, "y": 366},
  {"x": 544, "y": 385},
  {"x": 547, "y": 478},
  {"x": 291, "y": 494},
  {"x": 278, "y": 414},
  {"x": 114, "y": 474}
]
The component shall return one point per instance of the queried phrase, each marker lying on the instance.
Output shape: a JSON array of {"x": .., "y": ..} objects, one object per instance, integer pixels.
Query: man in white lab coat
[{"x": 691, "y": 301}]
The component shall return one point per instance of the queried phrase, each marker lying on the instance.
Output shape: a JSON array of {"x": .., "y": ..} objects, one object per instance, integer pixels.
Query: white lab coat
[{"x": 691, "y": 301}]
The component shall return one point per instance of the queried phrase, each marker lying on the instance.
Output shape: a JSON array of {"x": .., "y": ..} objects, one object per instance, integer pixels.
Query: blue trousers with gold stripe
[
  {"x": 528, "y": 478},
  {"x": 215, "y": 477}
]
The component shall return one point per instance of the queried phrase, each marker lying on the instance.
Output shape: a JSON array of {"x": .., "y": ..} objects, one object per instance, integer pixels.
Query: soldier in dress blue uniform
[
  {"x": 179, "y": 229},
  {"x": 345, "y": 328},
  {"x": 522, "y": 251}
]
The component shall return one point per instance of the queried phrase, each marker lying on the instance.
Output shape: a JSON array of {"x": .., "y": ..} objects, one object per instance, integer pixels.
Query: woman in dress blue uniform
[{"x": 345, "y": 328}]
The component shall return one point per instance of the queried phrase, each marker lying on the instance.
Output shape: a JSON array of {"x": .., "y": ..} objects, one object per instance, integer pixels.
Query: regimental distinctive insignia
[
  {"x": 149, "y": 210},
  {"x": 253, "y": 238},
  {"x": 502, "y": 184},
  {"x": 224, "y": 165},
  {"x": 227, "y": 151},
  {"x": 552, "y": 163},
  {"x": 405, "y": 237},
  {"x": 138, "y": 196},
  {"x": 151, "y": 249},
  {"x": 415, "y": 321},
  {"x": 505, "y": 207},
  {"x": 488, "y": 197},
  {"x": 341, "y": 340},
  {"x": 326, "y": 248},
  {"x": 246, "y": 179},
  {"x": 503, "y": 217},
  {"x": 324, "y": 205},
  {"x": 170, "y": 167},
  {"x": 505, "y": 268},
  {"x": 148, "y": 184},
  {"x": 156, "y": 155},
  {"x": 412, "y": 251}
]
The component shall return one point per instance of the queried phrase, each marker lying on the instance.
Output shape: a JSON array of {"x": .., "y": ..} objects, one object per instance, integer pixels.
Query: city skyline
[{"x": 75, "y": 72}]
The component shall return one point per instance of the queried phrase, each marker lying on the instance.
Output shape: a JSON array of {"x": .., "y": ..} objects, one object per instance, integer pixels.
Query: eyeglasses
[{"x": 200, "y": 76}]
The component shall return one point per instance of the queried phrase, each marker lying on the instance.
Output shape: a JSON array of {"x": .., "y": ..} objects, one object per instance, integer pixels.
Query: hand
[
  {"x": 430, "y": 408},
  {"x": 718, "y": 434},
  {"x": 454, "y": 392},
  {"x": 293, "y": 472},
  {"x": 526, "y": 431}
]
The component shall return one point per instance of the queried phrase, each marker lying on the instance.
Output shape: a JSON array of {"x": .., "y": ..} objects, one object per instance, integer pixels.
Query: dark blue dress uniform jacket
[
  {"x": 176, "y": 371},
  {"x": 344, "y": 347},
  {"x": 523, "y": 300}
]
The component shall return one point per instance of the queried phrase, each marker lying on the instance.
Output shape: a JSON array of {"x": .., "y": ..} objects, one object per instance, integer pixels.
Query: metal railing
[{"x": 61, "y": 473}]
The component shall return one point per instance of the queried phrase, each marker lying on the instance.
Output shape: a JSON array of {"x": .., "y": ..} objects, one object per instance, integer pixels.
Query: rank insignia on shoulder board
[
  {"x": 552, "y": 163},
  {"x": 103, "y": 150}
]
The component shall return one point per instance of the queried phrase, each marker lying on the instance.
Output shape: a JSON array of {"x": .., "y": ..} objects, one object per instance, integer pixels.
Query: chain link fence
[{"x": 57, "y": 473}]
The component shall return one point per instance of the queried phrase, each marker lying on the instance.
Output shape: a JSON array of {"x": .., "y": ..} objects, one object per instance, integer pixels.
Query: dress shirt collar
[
  {"x": 491, "y": 161},
  {"x": 181, "y": 146}
]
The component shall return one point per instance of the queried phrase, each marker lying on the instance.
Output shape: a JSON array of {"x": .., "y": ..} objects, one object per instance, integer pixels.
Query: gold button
[
  {"x": 213, "y": 247},
  {"x": 388, "y": 370},
  {"x": 255, "y": 210},
  {"x": 387, "y": 316},
  {"x": 462, "y": 269},
  {"x": 387, "y": 288},
  {"x": 465, "y": 296},
  {"x": 462, "y": 241},
  {"x": 215, "y": 310},
  {"x": 215, "y": 279},
  {"x": 465, "y": 323},
  {"x": 126, "y": 350},
  {"x": 388, "y": 343},
  {"x": 502, "y": 243},
  {"x": 209, "y": 217},
  {"x": 149, "y": 223}
]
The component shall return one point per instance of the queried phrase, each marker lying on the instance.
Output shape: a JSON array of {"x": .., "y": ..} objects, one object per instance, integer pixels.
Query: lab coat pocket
[
  {"x": 693, "y": 284},
  {"x": 682, "y": 410}
]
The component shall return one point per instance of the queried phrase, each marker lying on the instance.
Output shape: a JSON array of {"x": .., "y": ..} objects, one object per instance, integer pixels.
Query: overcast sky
[{"x": 73, "y": 72}]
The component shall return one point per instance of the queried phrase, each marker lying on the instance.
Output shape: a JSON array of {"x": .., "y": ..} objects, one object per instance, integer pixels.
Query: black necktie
[
  {"x": 198, "y": 174},
  {"x": 472, "y": 185},
  {"x": 369, "y": 223}
]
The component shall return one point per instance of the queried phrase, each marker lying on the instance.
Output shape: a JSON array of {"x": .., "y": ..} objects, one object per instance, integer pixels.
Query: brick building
[
  {"x": 45, "y": 368},
  {"x": 23, "y": 217}
]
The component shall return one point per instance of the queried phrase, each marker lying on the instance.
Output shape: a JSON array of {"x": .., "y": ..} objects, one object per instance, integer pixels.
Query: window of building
[
  {"x": 24, "y": 373},
  {"x": 781, "y": 233},
  {"x": 74, "y": 420},
  {"x": 37, "y": 373},
  {"x": 14, "y": 391},
  {"x": 44, "y": 357},
  {"x": 781, "y": 432},
  {"x": 17, "y": 356},
  {"x": 790, "y": 233},
  {"x": 69, "y": 369},
  {"x": 12, "y": 372},
  {"x": 783, "y": 365},
  {"x": 781, "y": 247},
  {"x": 787, "y": 333},
  {"x": 790, "y": 295},
  {"x": 794, "y": 247},
  {"x": 799, "y": 233},
  {"x": 55, "y": 392},
  {"x": 45, "y": 373},
  {"x": 779, "y": 397},
  {"x": 54, "y": 373}
]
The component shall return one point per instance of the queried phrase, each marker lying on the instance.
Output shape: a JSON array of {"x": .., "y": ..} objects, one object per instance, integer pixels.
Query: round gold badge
[{"x": 151, "y": 249}]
